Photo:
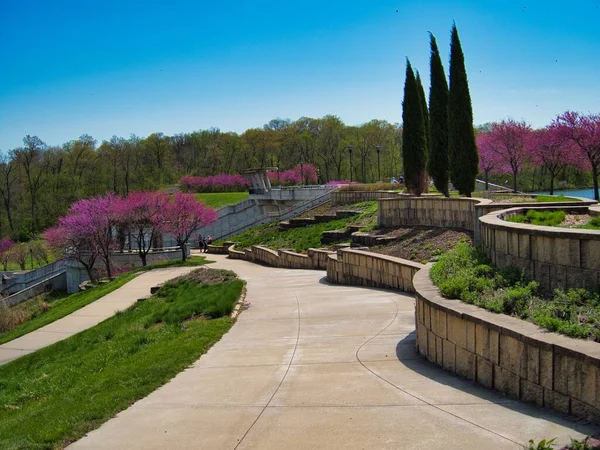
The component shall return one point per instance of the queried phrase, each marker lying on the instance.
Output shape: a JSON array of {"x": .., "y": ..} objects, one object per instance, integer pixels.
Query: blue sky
[{"x": 120, "y": 67}]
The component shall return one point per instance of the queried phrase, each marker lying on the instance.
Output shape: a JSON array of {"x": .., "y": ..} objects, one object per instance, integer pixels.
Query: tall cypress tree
[
  {"x": 413, "y": 135},
  {"x": 462, "y": 149},
  {"x": 425, "y": 111},
  {"x": 437, "y": 163}
]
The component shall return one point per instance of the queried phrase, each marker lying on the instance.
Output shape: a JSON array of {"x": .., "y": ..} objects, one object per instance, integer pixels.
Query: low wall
[
  {"x": 430, "y": 212},
  {"x": 356, "y": 267},
  {"x": 507, "y": 354},
  {"x": 341, "y": 197},
  {"x": 555, "y": 257},
  {"x": 315, "y": 259}
]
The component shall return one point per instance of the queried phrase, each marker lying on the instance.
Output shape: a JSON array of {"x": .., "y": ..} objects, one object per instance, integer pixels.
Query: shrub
[
  {"x": 543, "y": 218},
  {"x": 217, "y": 183},
  {"x": 301, "y": 174}
]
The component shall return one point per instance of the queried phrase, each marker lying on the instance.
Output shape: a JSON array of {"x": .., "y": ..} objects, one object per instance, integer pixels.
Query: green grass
[
  {"x": 301, "y": 239},
  {"x": 71, "y": 303},
  {"x": 543, "y": 218},
  {"x": 593, "y": 224},
  {"x": 220, "y": 199},
  {"x": 56, "y": 395},
  {"x": 555, "y": 198}
]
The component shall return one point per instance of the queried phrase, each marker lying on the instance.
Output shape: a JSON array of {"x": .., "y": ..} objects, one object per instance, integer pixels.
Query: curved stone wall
[
  {"x": 315, "y": 259},
  {"x": 555, "y": 257},
  {"x": 357, "y": 267},
  {"x": 507, "y": 354}
]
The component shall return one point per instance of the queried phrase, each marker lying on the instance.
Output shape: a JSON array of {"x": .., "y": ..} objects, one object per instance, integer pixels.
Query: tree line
[{"x": 38, "y": 182}]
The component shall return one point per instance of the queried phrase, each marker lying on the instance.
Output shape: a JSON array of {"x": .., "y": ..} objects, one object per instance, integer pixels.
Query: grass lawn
[
  {"x": 71, "y": 303},
  {"x": 220, "y": 199},
  {"x": 301, "y": 239},
  {"x": 56, "y": 395},
  {"x": 543, "y": 218}
]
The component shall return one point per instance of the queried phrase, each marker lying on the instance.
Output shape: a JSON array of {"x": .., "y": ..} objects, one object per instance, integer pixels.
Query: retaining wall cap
[
  {"x": 495, "y": 220},
  {"x": 507, "y": 325}
]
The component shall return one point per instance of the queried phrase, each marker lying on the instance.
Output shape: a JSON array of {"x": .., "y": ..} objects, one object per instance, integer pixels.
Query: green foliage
[
  {"x": 218, "y": 200},
  {"x": 370, "y": 187},
  {"x": 555, "y": 198},
  {"x": 71, "y": 303},
  {"x": 45, "y": 396},
  {"x": 544, "y": 218},
  {"x": 463, "y": 155},
  {"x": 542, "y": 445},
  {"x": 580, "y": 445},
  {"x": 593, "y": 224},
  {"x": 438, "y": 122},
  {"x": 425, "y": 112},
  {"x": 414, "y": 135},
  {"x": 464, "y": 273}
]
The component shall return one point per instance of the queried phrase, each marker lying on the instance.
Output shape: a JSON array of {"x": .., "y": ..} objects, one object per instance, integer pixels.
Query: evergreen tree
[
  {"x": 463, "y": 157},
  {"x": 425, "y": 111},
  {"x": 413, "y": 135},
  {"x": 438, "y": 122}
]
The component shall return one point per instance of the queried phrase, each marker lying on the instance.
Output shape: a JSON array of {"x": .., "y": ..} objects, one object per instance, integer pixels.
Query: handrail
[{"x": 283, "y": 214}]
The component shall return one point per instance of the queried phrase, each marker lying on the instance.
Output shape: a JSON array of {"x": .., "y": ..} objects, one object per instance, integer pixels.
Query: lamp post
[
  {"x": 301, "y": 173},
  {"x": 31, "y": 257},
  {"x": 378, "y": 148},
  {"x": 350, "y": 148}
]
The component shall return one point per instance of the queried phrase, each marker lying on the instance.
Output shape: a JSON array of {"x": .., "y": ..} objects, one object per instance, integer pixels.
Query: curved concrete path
[
  {"x": 89, "y": 315},
  {"x": 311, "y": 365}
]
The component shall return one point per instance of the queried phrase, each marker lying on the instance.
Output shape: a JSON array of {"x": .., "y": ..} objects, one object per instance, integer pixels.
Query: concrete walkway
[
  {"x": 316, "y": 366},
  {"x": 90, "y": 315}
]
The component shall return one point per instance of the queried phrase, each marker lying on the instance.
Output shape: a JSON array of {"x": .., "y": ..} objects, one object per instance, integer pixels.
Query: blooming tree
[
  {"x": 510, "y": 139},
  {"x": 140, "y": 214},
  {"x": 301, "y": 174},
  {"x": 583, "y": 131},
  {"x": 489, "y": 161},
  {"x": 182, "y": 216},
  {"x": 5, "y": 245},
  {"x": 551, "y": 150}
]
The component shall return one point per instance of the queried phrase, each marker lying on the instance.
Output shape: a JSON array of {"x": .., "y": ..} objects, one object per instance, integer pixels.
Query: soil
[
  {"x": 207, "y": 276},
  {"x": 575, "y": 220},
  {"x": 517, "y": 199},
  {"x": 326, "y": 208},
  {"x": 421, "y": 244}
]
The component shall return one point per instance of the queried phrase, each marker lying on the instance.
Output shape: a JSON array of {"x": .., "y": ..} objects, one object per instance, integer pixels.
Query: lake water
[{"x": 585, "y": 193}]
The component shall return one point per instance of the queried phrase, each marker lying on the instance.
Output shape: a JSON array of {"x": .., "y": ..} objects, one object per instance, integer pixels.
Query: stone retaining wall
[
  {"x": 507, "y": 354},
  {"x": 555, "y": 257},
  {"x": 315, "y": 259},
  {"x": 356, "y": 267}
]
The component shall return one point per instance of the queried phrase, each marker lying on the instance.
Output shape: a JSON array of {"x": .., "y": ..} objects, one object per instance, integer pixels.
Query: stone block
[
  {"x": 482, "y": 341},
  {"x": 439, "y": 351},
  {"x": 575, "y": 378},
  {"x": 546, "y": 368},
  {"x": 457, "y": 331},
  {"x": 533, "y": 364},
  {"x": 449, "y": 358},
  {"x": 434, "y": 320},
  {"x": 561, "y": 374},
  {"x": 470, "y": 336},
  {"x": 426, "y": 317},
  {"x": 422, "y": 339},
  {"x": 512, "y": 352},
  {"x": 589, "y": 390},
  {"x": 431, "y": 347},
  {"x": 506, "y": 382},
  {"x": 524, "y": 246},
  {"x": 587, "y": 412},
  {"x": 532, "y": 393},
  {"x": 442, "y": 320},
  {"x": 556, "y": 401},
  {"x": 494, "y": 346},
  {"x": 485, "y": 372},
  {"x": 466, "y": 364}
]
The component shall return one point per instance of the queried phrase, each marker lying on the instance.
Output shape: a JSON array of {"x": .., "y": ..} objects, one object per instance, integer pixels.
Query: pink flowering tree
[
  {"x": 86, "y": 232},
  {"x": 182, "y": 216},
  {"x": 552, "y": 150},
  {"x": 5, "y": 246},
  {"x": 489, "y": 160},
  {"x": 140, "y": 215},
  {"x": 583, "y": 131},
  {"x": 510, "y": 139},
  {"x": 301, "y": 174}
]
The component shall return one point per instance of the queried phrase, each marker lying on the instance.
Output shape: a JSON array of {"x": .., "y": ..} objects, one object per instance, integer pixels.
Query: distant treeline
[{"x": 39, "y": 182}]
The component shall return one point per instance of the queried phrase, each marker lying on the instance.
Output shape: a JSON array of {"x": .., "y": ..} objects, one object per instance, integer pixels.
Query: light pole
[
  {"x": 301, "y": 173},
  {"x": 378, "y": 148},
  {"x": 350, "y": 148},
  {"x": 31, "y": 257}
]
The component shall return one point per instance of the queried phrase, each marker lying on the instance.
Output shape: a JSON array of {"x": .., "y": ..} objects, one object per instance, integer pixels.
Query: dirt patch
[
  {"x": 421, "y": 244},
  {"x": 575, "y": 220},
  {"x": 517, "y": 199},
  {"x": 326, "y": 208},
  {"x": 207, "y": 276}
]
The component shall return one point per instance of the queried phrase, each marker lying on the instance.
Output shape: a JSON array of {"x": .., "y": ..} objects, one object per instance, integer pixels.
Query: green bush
[{"x": 464, "y": 273}]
